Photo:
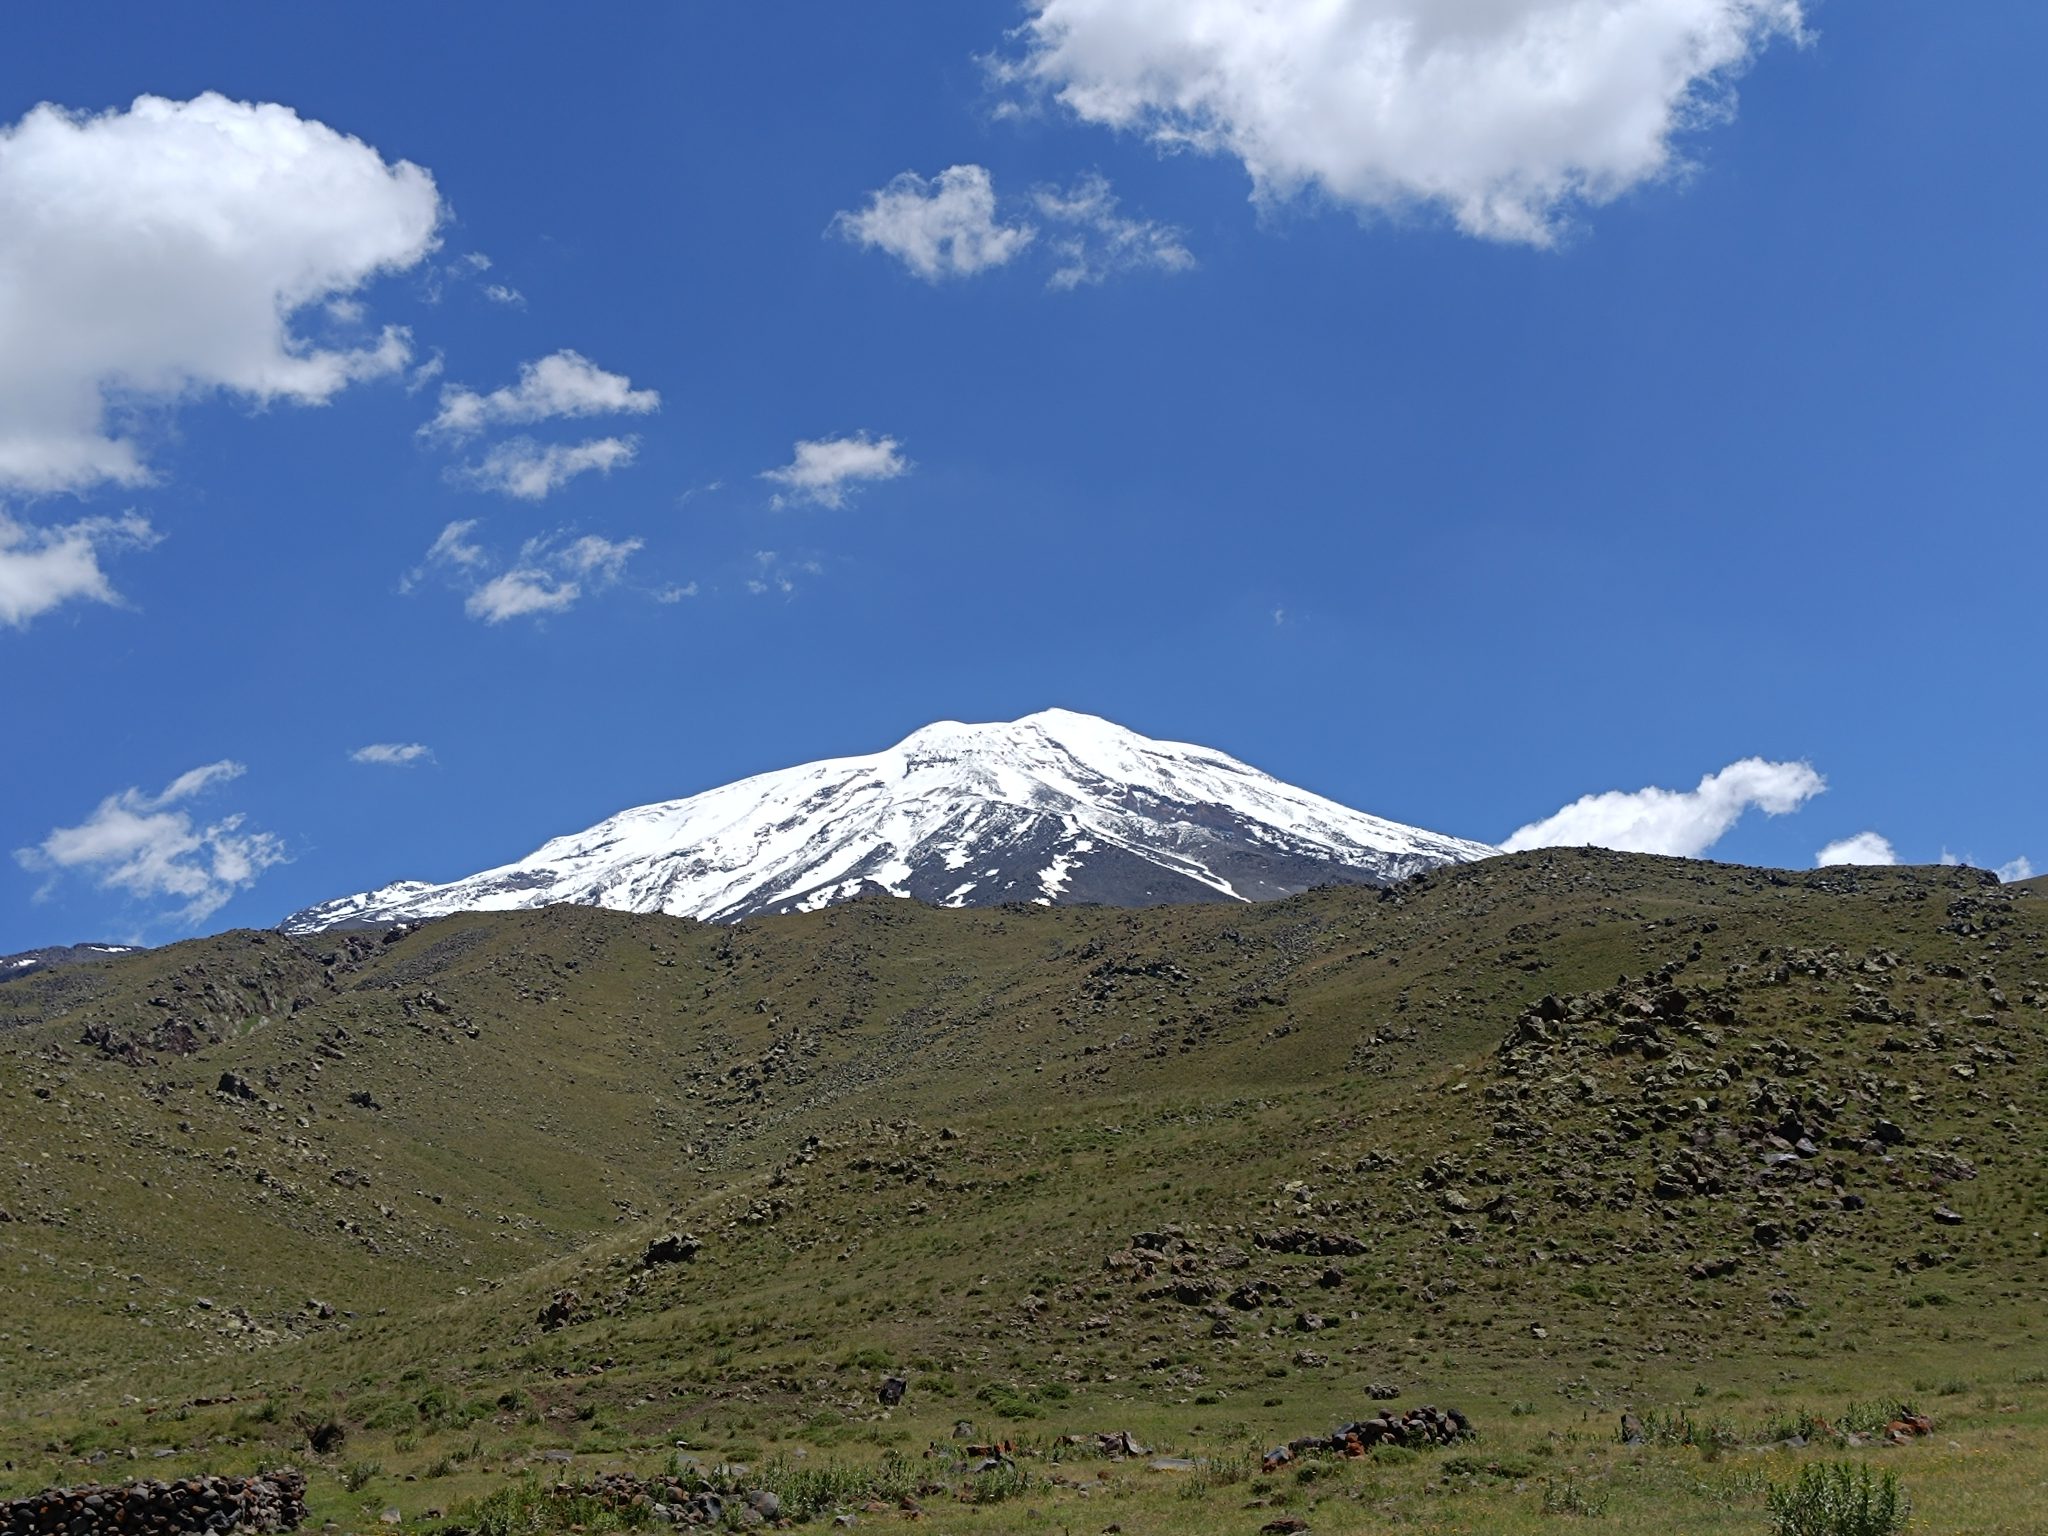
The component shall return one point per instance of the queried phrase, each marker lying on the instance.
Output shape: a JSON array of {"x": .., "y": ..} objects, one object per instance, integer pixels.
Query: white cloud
[
  {"x": 563, "y": 384},
  {"x": 941, "y": 228},
  {"x": 498, "y": 293},
  {"x": 41, "y": 568},
  {"x": 550, "y": 574},
  {"x": 826, "y": 470},
  {"x": 2021, "y": 868},
  {"x": 676, "y": 594},
  {"x": 392, "y": 754},
  {"x": 454, "y": 546},
  {"x": 1505, "y": 114},
  {"x": 774, "y": 574},
  {"x": 1863, "y": 848},
  {"x": 160, "y": 253},
  {"x": 146, "y": 847},
  {"x": 1682, "y": 822},
  {"x": 528, "y": 470},
  {"x": 520, "y": 592},
  {"x": 1092, "y": 241}
]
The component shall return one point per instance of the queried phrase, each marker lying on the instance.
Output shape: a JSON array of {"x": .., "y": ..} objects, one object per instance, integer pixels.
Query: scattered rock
[
  {"x": 564, "y": 1308},
  {"x": 676, "y": 1248}
]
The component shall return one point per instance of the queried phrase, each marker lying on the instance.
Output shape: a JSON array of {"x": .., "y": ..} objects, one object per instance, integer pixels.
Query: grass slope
[{"x": 1543, "y": 1138}]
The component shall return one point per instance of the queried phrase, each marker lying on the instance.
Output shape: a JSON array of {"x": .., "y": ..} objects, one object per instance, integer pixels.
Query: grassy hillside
[{"x": 1544, "y": 1138}]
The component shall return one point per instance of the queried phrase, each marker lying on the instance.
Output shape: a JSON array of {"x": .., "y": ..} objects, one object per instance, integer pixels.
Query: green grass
[{"x": 924, "y": 1143}]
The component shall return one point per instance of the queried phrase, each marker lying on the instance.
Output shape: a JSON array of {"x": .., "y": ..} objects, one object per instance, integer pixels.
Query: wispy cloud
[
  {"x": 43, "y": 568},
  {"x": 775, "y": 576},
  {"x": 953, "y": 226},
  {"x": 827, "y": 470},
  {"x": 1093, "y": 242},
  {"x": 1685, "y": 823},
  {"x": 531, "y": 471},
  {"x": 392, "y": 754},
  {"x": 550, "y": 574},
  {"x": 149, "y": 848}
]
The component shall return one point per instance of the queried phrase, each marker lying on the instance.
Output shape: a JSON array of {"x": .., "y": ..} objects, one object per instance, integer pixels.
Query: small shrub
[
  {"x": 1836, "y": 1498},
  {"x": 1567, "y": 1495},
  {"x": 358, "y": 1475},
  {"x": 1006, "y": 1481}
]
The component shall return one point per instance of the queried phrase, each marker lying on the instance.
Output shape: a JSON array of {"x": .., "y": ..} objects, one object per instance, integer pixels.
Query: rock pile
[
  {"x": 273, "y": 1502},
  {"x": 1415, "y": 1429},
  {"x": 673, "y": 1503}
]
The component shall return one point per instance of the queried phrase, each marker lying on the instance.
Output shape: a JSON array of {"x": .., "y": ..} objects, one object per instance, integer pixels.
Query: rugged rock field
[{"x": 1037, "y": 1219}]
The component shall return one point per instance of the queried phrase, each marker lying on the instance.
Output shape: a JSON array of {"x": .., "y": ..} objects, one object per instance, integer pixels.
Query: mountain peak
[{"x": 1058, "y": 806}]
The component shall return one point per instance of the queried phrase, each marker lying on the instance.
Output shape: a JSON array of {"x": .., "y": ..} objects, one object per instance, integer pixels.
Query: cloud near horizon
[
  {"x": 1508, "y": 116},
  {"x": 1684, "y": 823},
  {"x": 1863, "y": 848},
  {"x": 149, "y": 848},
  {"x": 161, "y": 252}
]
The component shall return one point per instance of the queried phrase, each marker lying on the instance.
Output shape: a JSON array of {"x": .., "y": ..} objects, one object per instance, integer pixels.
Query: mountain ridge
[{"x": 1055, "y": 808}]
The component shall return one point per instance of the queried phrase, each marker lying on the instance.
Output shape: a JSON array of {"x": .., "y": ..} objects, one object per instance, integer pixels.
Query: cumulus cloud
[
  {"x": 1504, "y": 114},
  {"x": 41, "y": 568},
  {"x": 1863, "y": 848},
  {"x": 149, "y": 848},
  {"x": 1092, "y": 241},
  {"x": 563, "y": 384},
  {"x": 162, "y": 252},
  {"x": 392, "y": 754},
  {"x": 942, "y": 228},
  {"x": 827, "y": 470},
  {"x": 1682, "y": 822},
  {"x": 550, "y": 574},
  {"x": 531, "y": 471}
]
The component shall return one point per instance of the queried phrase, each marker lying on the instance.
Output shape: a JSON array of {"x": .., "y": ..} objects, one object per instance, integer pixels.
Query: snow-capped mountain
[{"x": 1056, "y": 807}]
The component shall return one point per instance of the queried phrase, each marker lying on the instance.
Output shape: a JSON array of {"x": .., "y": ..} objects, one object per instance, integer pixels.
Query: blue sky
[{"x": 1532, "y": 437}]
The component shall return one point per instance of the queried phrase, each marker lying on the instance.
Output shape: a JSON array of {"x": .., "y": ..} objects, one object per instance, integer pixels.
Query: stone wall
[{"x": 273, "y": 1502}]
